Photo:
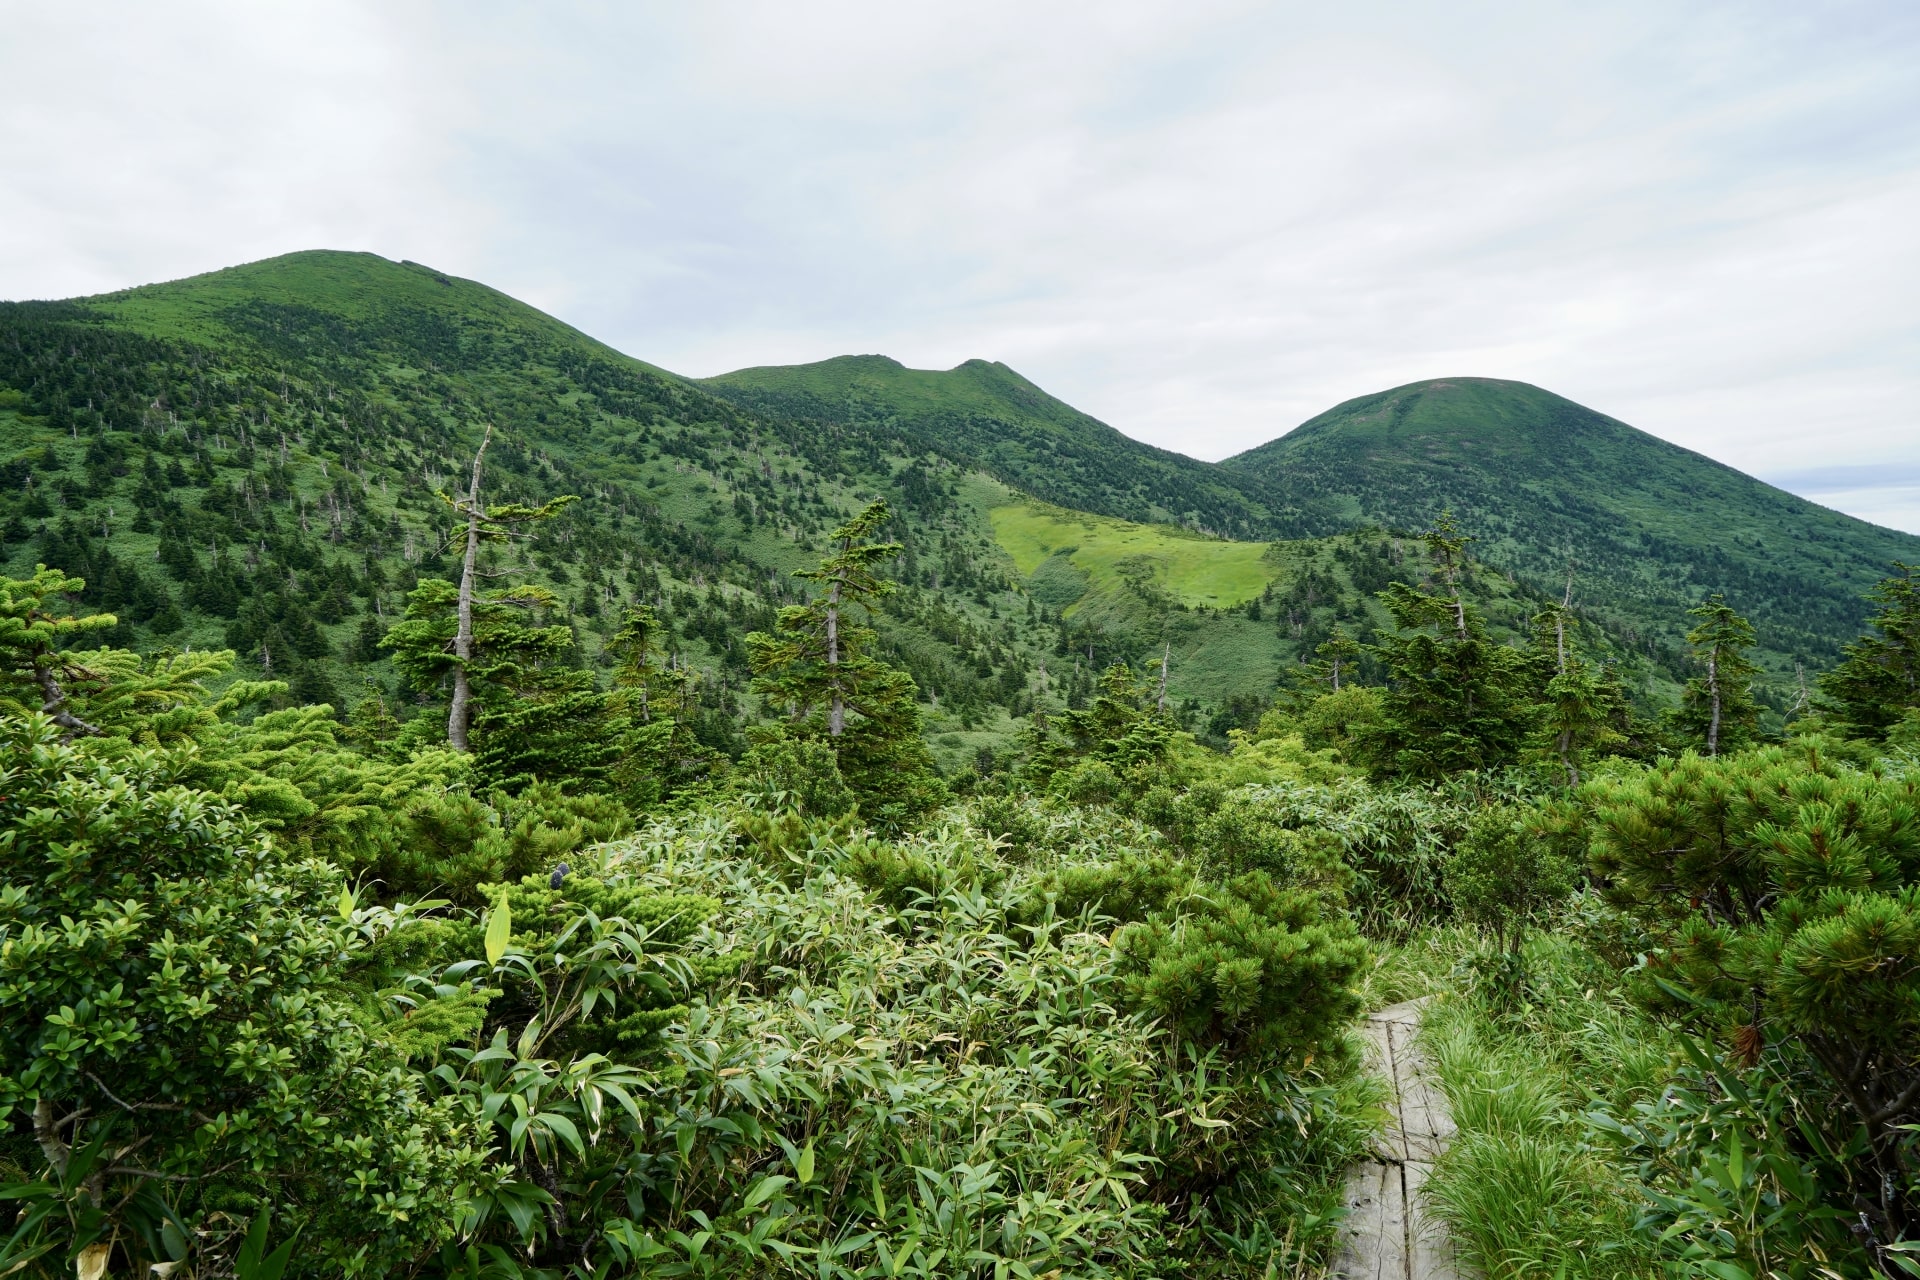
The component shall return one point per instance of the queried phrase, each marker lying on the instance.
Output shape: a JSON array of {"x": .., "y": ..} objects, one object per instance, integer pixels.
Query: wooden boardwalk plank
[{"x": 1389, "y": 1234}]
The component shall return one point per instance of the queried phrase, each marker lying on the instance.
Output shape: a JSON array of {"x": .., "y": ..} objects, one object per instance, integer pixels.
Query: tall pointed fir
[
  {"x": 1336, "y": 660},
  {"x": 1718, "y": 712},
  {"x": 1877, "y": 685},
  {"x": 655, "y": 750},
  {"x": 1455, "y": 698},
  {"x": 817, "y": 669},
  {"x": 492, "y": 650},
  {"x": 479, "y": 523},
  {"x": 1579, "y": 701}
]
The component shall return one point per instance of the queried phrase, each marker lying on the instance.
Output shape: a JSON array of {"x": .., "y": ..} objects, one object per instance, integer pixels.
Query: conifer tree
[
  {"x": 35, "y": 664},
  {"x": 510, "y": 646},
  {"x": 1119, "y": 727},
  {"x": 480, "y": 523},
  {"x": 1878, "y": 682},
  {"x": 817, "y": 667},
  {"x": 1780, "y": 888},
  {"x": 1337, "y": 658},
  {"x": 1455, "y": 699},
  {"x": 653, "y": 746},
  {"x": 817, "y": 659},
  {"x": 633, "y": 646},
  {"x": 1579, "y": 701},
  {"x": 1718, "y": 711}
]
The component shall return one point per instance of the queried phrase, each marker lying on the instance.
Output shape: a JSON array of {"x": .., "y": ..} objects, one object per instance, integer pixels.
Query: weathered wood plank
[{"x": 1389, "y": 1234}]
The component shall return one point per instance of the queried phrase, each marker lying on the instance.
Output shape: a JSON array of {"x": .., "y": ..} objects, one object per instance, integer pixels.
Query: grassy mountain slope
[
  {"x": 252, "y": 459},
  {"x": 1542, "y": 482},
  {"x": 1191, "y": 568},
  {"x": 1539, "y": 480},
  {"x": 985, "y": 415},
  {"x": 354, "y": 303},
  {"x": 1230, "y": 615}
]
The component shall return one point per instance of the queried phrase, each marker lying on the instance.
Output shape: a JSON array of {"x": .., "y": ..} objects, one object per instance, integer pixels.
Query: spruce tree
[
  {"x": 1579, "y": 701},
  {"x": 1718, "y": 712},
  {"x": 1878, "y": 683},
  {"x": 1337, "y": 658},
  {"x": 480, "y": 523},
  {"x": 817, "y": 668},
  {"x": 511, "y": 646},
  {"x": 37, "y": 670},
  {"x": 1455, "y": 698},
  {"x": 817, "y": 660},
  {"x": 635, "y": 676}
]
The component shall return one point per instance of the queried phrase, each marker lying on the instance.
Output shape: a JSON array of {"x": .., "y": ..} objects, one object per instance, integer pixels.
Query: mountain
[
  {"x": 984, "y": 415},
  {"x": 253, "y": 459},
  {"x": 1544, "y": 483}
]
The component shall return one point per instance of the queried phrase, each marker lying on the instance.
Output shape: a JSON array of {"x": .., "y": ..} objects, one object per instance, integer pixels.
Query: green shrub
[
  {"x": 451, "y": 842},
  {"x": 1509, "y": 869},
  {"x": 177, "y": 1026},
  {"x": 965, "y": 1097},
  {"x": 798, "y": 774},
  {"x": 1781, "y": 888},
  {"x": 1134, "y": 887},
  {"x": 1247, "y": 966}
]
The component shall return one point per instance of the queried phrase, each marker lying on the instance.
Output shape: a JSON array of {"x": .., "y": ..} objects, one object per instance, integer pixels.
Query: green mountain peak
[{"x": 1546, "y": 484}]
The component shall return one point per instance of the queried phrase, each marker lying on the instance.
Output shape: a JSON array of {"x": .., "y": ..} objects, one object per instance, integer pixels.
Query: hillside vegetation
[
  {"x": 983, "y": 415},
  {"x": 473, "y": 805},
  {"x": 1546, "y": 484},
  {"x": 251, "y": 459}
]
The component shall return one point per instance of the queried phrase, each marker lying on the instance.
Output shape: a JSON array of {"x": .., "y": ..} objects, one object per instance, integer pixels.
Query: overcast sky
[{"x": 1202, "y": 222}]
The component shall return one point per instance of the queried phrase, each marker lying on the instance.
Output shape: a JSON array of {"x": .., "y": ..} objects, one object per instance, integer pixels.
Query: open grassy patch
[{"x": 1190, "y": 568}]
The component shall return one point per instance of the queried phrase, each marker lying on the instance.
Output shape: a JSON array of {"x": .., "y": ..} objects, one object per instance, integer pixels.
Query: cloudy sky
[{"x": 1200, "y": 221}]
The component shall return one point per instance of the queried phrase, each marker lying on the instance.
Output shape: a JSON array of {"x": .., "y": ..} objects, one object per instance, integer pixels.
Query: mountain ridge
[
  {"x": 1545, "y": 482},
  {"x": 739, "y": 465},
  {"x": 989, "y": 415}
]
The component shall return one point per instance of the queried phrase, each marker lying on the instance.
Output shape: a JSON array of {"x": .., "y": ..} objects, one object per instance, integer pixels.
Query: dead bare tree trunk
[
  {"x": 837, "y": 703},
  {"x": 1713, "y": 692},
  {"x": 1166, "y": 656},
  {"x": 460, "y": 711}
]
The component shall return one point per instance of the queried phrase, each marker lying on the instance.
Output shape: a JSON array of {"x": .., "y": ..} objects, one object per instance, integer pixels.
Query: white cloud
[{"x": 1203, "y": 222}]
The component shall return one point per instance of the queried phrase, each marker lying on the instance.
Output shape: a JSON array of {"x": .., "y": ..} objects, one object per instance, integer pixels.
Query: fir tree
[
  {"x": 36, "y": 668},
  {"x": 1455, "y": 699},
  {"x": 480, "y": 523},
  {"x": 1878, "y": 683},
  {"x": 1337, "y": 658},
  {"x": 511, "y": 648},
  {"x": 636, "y": 675},
  {"x": 818, "y": 667},
  {"x": 1579, "y": 702},
  {"x": 817, "y": 660},
  {"x": 1718, "y": 712}
]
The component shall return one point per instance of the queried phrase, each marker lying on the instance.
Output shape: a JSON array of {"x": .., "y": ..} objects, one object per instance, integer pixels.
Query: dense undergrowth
[{"x": 283, "y": 995}]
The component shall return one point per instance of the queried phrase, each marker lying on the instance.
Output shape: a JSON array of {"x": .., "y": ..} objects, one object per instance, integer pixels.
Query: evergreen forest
[{"x": 475, "y": 804}]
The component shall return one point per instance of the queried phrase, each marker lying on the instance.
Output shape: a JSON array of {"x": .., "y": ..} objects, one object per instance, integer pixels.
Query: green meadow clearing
[{"x": 1192, "y": 568}]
